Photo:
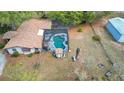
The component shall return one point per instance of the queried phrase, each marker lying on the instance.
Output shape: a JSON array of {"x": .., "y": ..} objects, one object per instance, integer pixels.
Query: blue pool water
[{"x": 58, "y": 42}]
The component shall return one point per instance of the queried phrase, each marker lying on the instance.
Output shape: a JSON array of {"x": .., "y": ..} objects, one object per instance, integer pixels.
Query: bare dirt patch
[{"x": 50, "y": 68}]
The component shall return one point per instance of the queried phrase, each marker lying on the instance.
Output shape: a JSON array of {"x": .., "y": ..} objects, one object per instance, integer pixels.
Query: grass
[{"x": 15, "y": 72}]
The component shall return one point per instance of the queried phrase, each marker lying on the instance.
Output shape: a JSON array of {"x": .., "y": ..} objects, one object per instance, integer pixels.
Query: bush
[
  {"x": 15, "y": 54},
  {"x": 37, "y": 52},
  {"x": 80, "y": 30},
  {"x": 2, "y": 45},
  {"x": 96, "y": 38},
  {"x": 30, "y": 55}
]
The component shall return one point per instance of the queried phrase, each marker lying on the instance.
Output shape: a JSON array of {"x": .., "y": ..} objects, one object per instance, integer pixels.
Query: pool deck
[{"x": 48, "y": 33}]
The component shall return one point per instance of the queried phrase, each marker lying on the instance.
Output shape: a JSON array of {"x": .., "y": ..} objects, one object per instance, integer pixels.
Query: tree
[
  {"x": 12, "y": 17},
  {"x": 72, "y": 17},
  {"x": 89, "y": 16},
  {"x": 66, "y": 17}
]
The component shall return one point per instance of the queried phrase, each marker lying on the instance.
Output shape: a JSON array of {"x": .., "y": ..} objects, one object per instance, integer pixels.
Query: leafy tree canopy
[
  {"x": 89, "y": 16},
  {"x": 68, "y": 17},
  {"x": 17, "y": 17},
  {"x": 71, "y": 17},
  {"x": 14, "y": 18},
  {"x": 65, "y": 17}
]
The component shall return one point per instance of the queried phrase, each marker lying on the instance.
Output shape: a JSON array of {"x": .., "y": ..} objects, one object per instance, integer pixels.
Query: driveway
[{"x": 2, "y": 62}]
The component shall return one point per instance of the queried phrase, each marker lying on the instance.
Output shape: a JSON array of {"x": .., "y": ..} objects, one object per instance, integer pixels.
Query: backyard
[{"x": 44, "y": 66}]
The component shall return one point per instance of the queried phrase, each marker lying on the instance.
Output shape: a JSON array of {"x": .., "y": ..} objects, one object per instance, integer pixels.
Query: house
[
  {"x": 28, "y": 37},
  {"x": 116, "y": 28}
]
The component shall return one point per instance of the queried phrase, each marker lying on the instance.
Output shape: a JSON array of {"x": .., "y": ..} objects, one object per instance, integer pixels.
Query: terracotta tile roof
[
  {"x": 9, "y": 34},
  {"x": 27, "y": 34}
]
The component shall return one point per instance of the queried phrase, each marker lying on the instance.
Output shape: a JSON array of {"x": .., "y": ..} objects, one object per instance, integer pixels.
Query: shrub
[
  {"x": 30, "y": 55},
  {"x": 96, "y": 38},
  {"x": 80, "y": 30},
  {"x": 2, "y": 45},
  {"x": 15, "y": 54},
  {"x": 37, "y": 52}
]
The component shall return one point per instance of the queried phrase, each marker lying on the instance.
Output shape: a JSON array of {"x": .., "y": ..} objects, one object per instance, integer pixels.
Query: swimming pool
[{"x": 58, "y": 42}]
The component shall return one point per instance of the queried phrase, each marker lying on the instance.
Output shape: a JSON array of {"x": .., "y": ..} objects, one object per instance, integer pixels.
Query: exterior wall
[
  {"x": 19, "y": 50},
  {"x": 113, "y": 31},
  {"x": 40, "y": 49},
  {"x": 121, "y": 39},
  {"x": 31, "y": 51}
]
